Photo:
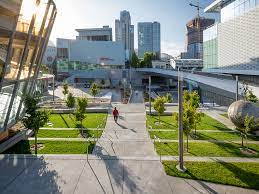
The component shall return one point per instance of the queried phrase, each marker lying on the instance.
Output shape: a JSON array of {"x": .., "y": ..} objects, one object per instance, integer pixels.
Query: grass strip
[
  {"x": 206, "y": 149},
  {"x": 68, "y": 133},
  {"x": 52, "y": 147},
  {"x": 237, "y": 174},
  {"x": 92, "y": 120},
  {"x": 202, "y": 136},
  {"x": 167, "y": 122}
]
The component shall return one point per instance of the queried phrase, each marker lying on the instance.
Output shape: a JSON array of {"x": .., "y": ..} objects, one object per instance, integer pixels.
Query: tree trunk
[
  {"x": 195, "y": 130},
  {"x": 36, "y": 143},
  {"x": 242, "y": 141},
  {"x": 82, "y": 125},
  {"x": 187, "y": 143},
  {"x": 159, "y": 118}
]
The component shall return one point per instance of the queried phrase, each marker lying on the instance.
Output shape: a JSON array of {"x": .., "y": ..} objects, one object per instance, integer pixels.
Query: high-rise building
[
  {"x": 149, "y": 38},
  {"x": 24, "y": 37},
  {"x": 124, "y": 32},
  {"x": 232, "y": 46},
  {"x": 194, "y": 37},
  {"x": 95, "y": 34}
]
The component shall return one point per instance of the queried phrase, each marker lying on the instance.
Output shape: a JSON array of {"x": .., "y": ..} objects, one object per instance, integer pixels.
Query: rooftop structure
[{"x": 95, "y": 34}]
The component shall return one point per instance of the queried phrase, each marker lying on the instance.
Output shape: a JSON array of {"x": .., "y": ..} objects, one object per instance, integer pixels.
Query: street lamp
[
  {"x": 124, "y": 83},
  {"x": 180, "y": 166},
  {"x": 237, "y": 87}
]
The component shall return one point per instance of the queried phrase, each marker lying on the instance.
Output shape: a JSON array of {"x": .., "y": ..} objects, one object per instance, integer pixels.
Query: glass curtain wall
[{"x": 21, "y": 45}]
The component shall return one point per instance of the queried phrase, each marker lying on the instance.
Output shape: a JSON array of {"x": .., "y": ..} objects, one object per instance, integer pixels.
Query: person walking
[{"x": 115, "y": 113}]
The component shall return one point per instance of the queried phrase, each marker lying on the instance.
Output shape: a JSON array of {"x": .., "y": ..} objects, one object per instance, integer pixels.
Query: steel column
[
  {"x": 34, "y": 55},
  {"x": 21, "y": 62}
]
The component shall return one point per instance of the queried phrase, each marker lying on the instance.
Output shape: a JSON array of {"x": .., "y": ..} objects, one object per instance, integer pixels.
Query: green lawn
[
  {"x": 92, "y": 120},
  {"x": 237, "y": 174},
  {"x": 52, "y": 147},
  {"x": 68, "y": 133},
  {"x": 206, "y": 149},
  {"x": 167, "y": 122},
  {"x": 202, "y": 135}
]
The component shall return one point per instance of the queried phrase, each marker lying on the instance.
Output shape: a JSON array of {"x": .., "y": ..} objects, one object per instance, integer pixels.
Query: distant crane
[{"x": 197, "y": 5}]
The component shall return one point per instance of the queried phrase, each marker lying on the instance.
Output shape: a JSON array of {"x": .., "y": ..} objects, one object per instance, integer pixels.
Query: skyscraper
[
  {"x": 124, "y": 32},
  {"x": 149, "y": 38}
]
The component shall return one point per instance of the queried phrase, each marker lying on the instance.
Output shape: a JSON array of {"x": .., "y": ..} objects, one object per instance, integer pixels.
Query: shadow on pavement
[
  {"x": 114, "y": 167},
  {"x": 27, "y": 174}
]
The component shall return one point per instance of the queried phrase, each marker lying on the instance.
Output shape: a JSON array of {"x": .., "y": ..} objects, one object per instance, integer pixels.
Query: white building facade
[
  {"x": 95, "y": 34},
  {"x": 104, "y": 53},
  {"x": 232, "y": 46}
]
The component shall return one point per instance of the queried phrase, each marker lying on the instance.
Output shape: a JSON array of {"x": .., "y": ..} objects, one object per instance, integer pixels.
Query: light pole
[
  {"x": 124, "y": 83},
  {"x": 180, "y": 166},
  {"x": 237, "y": 87},
  {"x": 149, "y": 88}
]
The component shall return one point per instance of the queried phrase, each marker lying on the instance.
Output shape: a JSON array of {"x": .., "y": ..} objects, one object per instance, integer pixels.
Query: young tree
[
  {"x": 191, "y": 115},
  {"x": 65, "y": 89},
  {"x": 34, "y": 116},
  {"x": 134, "y": 60},
  {"x": 192, "y": 98},
  {"x": 81, "y": 109},
  {"x": 71, "y": 101},
  {"x": 168, "y": 98},
  {"x": 94, "y": 90},
  {"x": 249, "y": 124},
  {"x": 197, "y": 116},
  {"x": 248, "y": 93},
  {"x": 159, "y": 106},
  {"x": 188, "y": 121},
  {"x": 251, "y": 97}
]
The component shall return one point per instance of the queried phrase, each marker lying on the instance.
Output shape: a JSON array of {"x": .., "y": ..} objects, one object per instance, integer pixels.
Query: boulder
[{"x": 238, "y": 111}]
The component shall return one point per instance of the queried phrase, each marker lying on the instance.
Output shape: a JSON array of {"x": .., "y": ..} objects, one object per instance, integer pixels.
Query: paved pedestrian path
[
  {"x": 216, "y": 114},
  {"x": 129, "y": 136}
]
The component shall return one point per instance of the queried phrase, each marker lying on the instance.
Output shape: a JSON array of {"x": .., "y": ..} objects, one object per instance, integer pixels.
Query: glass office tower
[
  {"x": 25, "y": 27},
  {"x": 149, "y": 38}
]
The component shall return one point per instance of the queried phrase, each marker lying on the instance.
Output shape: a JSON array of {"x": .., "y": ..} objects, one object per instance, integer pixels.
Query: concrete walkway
[{"x": 216, "y": 114}]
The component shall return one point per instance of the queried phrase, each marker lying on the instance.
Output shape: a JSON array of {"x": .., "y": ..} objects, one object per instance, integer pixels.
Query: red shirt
[{"x": 115, "y": 112}]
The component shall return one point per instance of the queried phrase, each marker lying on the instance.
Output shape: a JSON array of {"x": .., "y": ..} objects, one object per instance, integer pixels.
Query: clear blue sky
[{"x": 172, "y": 14}]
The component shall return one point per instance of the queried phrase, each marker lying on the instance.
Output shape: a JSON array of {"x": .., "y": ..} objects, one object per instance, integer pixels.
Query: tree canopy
[
  {"x": 94, "y": 89},
  {"x": 159, "y": 106}
]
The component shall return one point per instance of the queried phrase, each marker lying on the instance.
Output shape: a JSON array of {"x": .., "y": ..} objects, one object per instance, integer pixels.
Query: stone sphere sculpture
[{"x": 238, "y": 111}]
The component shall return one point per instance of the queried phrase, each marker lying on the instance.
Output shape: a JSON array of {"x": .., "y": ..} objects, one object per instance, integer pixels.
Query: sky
[{"x": 172, "y": 15}]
